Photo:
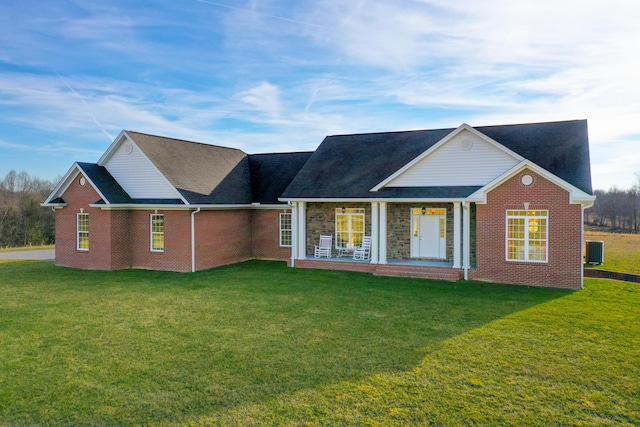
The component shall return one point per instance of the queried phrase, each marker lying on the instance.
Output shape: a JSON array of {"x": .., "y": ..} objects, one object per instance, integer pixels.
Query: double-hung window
[
  {"x": 82, "y": 227},
  {"x": 157, "y": 233},
  {"x": 527, "y": 235},
  {"x": 349, "y": 227},
  {"x": 285, "y": 229}
]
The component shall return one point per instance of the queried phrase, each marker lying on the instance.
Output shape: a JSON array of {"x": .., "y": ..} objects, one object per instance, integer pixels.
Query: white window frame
[
  {"x": 153, "y": 233},
  {"x": 82, "y": 232},
  {"x": 286, "y": 226},
  {"x": 541, "y": 215},
  {"x": 350, "y": 213}
]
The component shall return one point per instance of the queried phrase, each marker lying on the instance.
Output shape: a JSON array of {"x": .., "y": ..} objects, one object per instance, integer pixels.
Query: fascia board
[
  {"x": 449, "y": 137},
  {"x": 64, "y": 183},
  {"x": 113, "y": 147},
  {"x": 124, "y": 136},
  {"x": 576, "y": 196},
  {"x": 381, "y": 199},
  {"x": 131, "y": 206}
]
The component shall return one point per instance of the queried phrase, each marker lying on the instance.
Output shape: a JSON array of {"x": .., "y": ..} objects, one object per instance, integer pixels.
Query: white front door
[{"x": 428, "y": 237}]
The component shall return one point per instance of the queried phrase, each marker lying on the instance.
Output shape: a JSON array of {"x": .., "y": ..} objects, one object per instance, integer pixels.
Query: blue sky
[{"x": 279, "y": 75}]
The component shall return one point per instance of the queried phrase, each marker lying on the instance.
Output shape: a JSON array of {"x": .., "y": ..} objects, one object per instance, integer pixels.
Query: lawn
[
  {"x": 621, "y": 251},
  {"x": 260, "y": 344}
]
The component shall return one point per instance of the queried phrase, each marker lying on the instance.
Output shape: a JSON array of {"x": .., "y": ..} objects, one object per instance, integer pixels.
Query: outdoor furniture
[
  {"x": 344, "y": 251},
  {"x": 324, "y": 247},
  {"x": 363, "y": 251}
]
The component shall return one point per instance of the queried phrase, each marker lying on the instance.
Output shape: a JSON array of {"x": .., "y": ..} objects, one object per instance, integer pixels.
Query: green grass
[
  {"x": 621, "y": 251},
  {"x": 260, "y": 344}
]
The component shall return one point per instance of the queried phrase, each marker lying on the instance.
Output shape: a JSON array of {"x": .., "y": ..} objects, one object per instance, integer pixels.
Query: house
[{"x": 496, "y": 203}]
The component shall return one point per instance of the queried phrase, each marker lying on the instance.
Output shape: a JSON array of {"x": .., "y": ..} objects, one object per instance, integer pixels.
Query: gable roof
[
  {"x": 202, "y": 173},
  {"x": 349, "y": 166}
]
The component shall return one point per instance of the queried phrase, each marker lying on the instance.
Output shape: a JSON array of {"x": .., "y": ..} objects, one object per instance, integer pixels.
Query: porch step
[{"x": 438, "y": 273}]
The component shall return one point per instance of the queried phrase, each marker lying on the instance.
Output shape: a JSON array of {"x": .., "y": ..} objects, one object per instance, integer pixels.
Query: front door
[{"x": 428, "y": 237}]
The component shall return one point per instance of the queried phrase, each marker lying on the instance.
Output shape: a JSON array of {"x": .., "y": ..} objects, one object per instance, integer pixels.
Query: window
[
  {"x": 285, "y": 229},
  {"x": 82, "y": 227},
  {"x": 157, "y": 233},
  {"x": 527, "y": 235},
  {"x": 349, "y": 227}
]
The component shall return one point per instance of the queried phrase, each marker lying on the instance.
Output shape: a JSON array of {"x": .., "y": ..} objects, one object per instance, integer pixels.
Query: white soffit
[
  {"x": 466, "y": 158},
  {"x": 135, "y": 173}
]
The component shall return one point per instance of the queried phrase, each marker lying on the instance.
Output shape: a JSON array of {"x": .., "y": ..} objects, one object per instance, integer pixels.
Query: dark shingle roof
[
  {"x": 272, "y": 173},
  {"x": 202, "y": 173},
  {"x": 105, "y": 183},
  {"x": 348, "y": 166},
  {"x": 112, "y": 191}
]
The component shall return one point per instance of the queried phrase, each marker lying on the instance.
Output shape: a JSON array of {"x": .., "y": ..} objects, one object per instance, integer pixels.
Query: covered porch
[{"x": 395, "y": 229}]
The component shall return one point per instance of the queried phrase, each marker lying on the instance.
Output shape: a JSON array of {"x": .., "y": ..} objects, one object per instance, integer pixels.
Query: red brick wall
[
  {"x": 266, "y": 235},
  {"x": 222, "y": 237},
  {"x": 98, "y": 257},
  {"x": 564, "y": 265},
  {"x": 177, "y": 241}
]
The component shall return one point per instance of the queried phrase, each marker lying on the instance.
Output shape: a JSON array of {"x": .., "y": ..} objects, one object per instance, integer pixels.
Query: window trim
[
  {"x": 282, "y": 229},
  {"x": 529, "y": 214},
  {"x": 154, "y": 233},
  {"x": 80, "y": 231},
  {"x": 349, "y": 213}
]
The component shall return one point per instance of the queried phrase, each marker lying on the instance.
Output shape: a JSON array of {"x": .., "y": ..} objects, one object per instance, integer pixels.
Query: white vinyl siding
[
  {"x": 138, "y": 176},
  {"x": 453, "y": 165}
]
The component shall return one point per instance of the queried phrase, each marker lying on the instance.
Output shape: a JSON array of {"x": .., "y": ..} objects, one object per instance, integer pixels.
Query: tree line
[
  {"x": 616, "y": 209},
  {"x": 23, "y": 222}
]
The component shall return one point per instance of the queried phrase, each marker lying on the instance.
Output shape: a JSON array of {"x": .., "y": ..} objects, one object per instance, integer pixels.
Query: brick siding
[
  {"x": 266, "y": 235},
  {"x": 564, "y": 265}
]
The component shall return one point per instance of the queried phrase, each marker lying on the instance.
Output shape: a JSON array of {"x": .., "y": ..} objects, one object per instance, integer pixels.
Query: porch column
[
  {"x": 375, "y": 227},
  {"x": 302, "y": 230},
  {"x": 466, "y": 238},
  {"x": 294, "y": 232},
  {"x": 382, "y": 219},
  {"x": 456, "y": 235}
]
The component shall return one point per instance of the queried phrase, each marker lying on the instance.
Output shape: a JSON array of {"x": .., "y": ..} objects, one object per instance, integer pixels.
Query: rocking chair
[
  {"x": 363, "y": 251},
  {"x": 324, "y": 247}
]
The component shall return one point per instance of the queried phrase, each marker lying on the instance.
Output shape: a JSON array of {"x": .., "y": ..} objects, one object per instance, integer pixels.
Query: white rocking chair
[
  {"x": 363, "y": 251},
  {"x": 324, "y": 247}
]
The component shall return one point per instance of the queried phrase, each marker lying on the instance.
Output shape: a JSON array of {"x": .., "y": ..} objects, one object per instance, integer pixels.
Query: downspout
[
  {"x": 193, "y": 240},
  {"x": 294, "y": 233},
  {"x": 584, "y": 206}
]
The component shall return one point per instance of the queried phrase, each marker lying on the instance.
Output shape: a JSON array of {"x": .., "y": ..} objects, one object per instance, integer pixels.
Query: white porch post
[
  {"x": 375, "y": 227},
  {"x": 466, "y": 238},
  {"x": 382, "y": 255},
  {"x": 456, "y": 235},
  {"x": 294, "y": 232},
  {"x": 302, "y": 230}
]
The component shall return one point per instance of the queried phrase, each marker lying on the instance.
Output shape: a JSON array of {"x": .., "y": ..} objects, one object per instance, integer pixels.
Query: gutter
[{"x": 193, "y": 240}]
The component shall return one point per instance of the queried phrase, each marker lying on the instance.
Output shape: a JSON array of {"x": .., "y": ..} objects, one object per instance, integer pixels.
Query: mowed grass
[
  {"x": 261, "y": 344},
  {"x": 621, "y": 251}
]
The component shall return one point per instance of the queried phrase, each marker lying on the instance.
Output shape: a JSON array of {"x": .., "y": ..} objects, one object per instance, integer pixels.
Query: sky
[{"x": 280, "y": 75}]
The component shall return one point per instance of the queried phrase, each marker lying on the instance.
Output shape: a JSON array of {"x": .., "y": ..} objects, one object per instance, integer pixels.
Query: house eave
[
  {"x": 166, "y": 207},
  {"x": 576, "y": 196},
  {"x": 378, "y": 199}
]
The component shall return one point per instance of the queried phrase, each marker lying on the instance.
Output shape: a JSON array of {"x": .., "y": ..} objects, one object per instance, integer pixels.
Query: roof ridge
[{"x": 183, "y": 140}]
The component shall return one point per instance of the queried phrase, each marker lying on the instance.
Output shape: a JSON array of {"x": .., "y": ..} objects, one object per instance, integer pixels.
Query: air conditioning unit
[{"x": 594, "y": 252}]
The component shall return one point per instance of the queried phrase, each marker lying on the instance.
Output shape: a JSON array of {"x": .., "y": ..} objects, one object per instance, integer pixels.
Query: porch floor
[{"x": 408, "y": 262}]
